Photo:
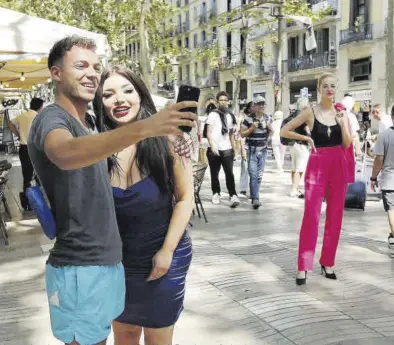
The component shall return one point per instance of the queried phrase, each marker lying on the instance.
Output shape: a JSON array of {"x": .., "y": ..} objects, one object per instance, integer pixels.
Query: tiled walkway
[{"x": 241, "y": 288}]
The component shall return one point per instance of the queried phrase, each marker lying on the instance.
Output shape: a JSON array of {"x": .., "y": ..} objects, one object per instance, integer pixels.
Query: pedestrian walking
[
  {"x": 84, "y": 275},
  {"x": 330, "y": 168},
  {"x": 244, "y": 176},
  {"x": 147, "y": 179},
  {"x": 257, "y": 129},
  {"x": 278, "y": 149},
  {"x": 384, "y": 165},
  {"x": 220, "y": 133},
  {"x": 20, "y": 126}
]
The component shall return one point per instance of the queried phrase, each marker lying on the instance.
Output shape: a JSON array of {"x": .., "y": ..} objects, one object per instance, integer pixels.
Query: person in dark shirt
[{"x": 256, "y": 129}]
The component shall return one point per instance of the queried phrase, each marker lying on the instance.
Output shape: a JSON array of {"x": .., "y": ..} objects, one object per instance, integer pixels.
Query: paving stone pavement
[{"x": 240, "y": 289}]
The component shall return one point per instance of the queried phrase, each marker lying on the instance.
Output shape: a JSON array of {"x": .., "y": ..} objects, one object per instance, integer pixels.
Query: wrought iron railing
[
  {"x": 312, "y": 61},
  {"x": 357, "y": 33}
]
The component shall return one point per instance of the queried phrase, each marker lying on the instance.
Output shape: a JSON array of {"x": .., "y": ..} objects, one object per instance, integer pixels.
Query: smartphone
[{"x": 188, "y": 93}]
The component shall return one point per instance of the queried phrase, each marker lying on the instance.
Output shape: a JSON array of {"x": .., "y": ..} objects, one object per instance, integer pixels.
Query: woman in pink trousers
[{"x": 330, "y": 168}]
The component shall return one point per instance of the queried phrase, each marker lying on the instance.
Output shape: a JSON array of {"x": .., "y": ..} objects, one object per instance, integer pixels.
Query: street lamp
[
  {"x": 175, "y": 72},
  {"x": 276, "y": 12}
]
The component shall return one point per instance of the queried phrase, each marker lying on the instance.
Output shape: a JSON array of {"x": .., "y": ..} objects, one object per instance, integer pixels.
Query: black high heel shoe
[
  {"x": 332, "y": 275},
  {"x": 301, "y": 281}
]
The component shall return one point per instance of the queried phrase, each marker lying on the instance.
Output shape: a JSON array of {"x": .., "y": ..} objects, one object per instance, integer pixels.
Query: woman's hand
[
  {"x": 161, "y": 263},
  {"x": 311, "y": 144},
  {"x": 341, "y": 118}
]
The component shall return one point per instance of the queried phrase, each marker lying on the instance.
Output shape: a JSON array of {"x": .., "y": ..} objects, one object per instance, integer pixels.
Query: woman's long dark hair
[{"x": 153, "y": 157}]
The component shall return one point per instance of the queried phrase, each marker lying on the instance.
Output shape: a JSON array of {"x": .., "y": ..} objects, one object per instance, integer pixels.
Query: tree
[
  {"x": 249, "y": 17},
  {"x": 109, "y": 17}
]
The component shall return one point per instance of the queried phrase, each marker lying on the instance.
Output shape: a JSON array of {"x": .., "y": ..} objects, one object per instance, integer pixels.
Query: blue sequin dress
[{"x": 143, "y": 215}]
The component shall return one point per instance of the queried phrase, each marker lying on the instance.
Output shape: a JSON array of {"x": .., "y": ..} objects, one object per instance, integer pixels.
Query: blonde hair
[{"x": 323, "y": 76}]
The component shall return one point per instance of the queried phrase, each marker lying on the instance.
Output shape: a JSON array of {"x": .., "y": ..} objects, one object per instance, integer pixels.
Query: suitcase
[{"x": 356, "y": 193}]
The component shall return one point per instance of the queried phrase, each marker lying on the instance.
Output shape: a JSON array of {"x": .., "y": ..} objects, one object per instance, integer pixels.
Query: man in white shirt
[
  {"x": 385, "y": 120},
  {"x": 220, "y": 134},
  {"x": 384, "y": 165}
]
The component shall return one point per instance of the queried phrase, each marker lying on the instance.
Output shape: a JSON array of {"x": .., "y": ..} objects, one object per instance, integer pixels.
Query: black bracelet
[{"x": 373, "y": 179}]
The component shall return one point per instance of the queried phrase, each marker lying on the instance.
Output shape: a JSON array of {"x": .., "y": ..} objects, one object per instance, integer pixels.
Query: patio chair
[
  {"x": 3, "y": 226},
  {"x": 198, "y": 178}
]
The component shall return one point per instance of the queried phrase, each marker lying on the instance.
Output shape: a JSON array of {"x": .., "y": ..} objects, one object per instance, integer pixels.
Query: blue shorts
[{"x": 84, "y": 300}]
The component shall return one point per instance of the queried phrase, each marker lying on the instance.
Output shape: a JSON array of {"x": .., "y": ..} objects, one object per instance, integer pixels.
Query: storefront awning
[{"x": 25, "y": 42}]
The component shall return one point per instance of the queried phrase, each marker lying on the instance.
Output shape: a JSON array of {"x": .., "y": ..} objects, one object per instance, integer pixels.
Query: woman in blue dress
[{"x": 153, "y": 193}]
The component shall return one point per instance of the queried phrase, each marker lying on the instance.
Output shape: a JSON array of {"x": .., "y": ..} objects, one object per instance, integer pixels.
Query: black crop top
[{"x": 325, "y": 136}]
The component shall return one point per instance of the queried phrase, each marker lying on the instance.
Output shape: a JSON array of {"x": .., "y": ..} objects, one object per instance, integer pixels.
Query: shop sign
[{"x": 362, "y": 95}]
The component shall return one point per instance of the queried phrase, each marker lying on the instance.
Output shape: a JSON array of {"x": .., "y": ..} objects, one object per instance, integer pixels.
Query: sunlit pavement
[{"x": 241, "y": 288}]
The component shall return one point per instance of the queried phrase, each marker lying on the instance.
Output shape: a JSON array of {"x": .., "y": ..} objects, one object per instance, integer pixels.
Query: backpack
[{"x": 300, "y": 130}]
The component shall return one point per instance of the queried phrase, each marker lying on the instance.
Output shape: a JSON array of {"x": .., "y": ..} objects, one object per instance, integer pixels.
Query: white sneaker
[
  {"x": 216, "y": 199},
  {"x": 234, "y": 201}
]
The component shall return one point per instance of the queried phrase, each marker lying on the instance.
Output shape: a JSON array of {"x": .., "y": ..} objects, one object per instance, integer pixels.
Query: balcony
[
  {"x": 178, "y": 29},
  {"x": 166, "y": 88},
  {"x": 355, "y": 34},
  {"x": 213, "y": 14},
  {"x": 327, "y": 59},
  {"x": 211, "y": 80},
  {"x": 207, "y": 43},
  {"x": 320, "y": 5},
  {"x": 232, "y": 61},
  {"x": 202, "y": 19},
  {"x": 185, "y": 27},
  {"x": 266, "y": 69}
]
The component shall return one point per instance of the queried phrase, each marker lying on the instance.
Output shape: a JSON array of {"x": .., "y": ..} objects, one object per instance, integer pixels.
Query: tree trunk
[
  {"x": 390, "y": 57},
  {"x": 145, "y": 56}
]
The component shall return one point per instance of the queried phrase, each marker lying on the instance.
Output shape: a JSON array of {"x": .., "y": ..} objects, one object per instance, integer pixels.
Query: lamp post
[
  {"x": 175, "y": 72},
  {"x": 277, "y": 12}
]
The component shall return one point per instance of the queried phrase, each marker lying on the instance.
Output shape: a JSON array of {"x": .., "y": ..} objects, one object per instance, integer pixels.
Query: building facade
[
  {"x": 351, "y": 43},
  {"x": 362, "y": 53}
]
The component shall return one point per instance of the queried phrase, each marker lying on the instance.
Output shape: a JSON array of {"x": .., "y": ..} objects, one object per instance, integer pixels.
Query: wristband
[{"x": 373, "y": 179}]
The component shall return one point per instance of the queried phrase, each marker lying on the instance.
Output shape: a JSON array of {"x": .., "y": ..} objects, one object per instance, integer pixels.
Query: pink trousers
[{"x": 325, "y": 176}]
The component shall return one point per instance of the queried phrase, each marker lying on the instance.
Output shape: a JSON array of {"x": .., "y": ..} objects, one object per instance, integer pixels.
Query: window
[
  {"x": 195, "y": 13},
  {"x": 359, "y": 12},
  {"x": 195, "y": 41},
  {"x": 261, "y": 56},
  {"x": 205, "y": 67},
  {"x": 229, "y": 7},
  {"x": 243, "y": 49},
  {"x": 196, "y": 69},
  {"x": 188, "y": 72},
  {"x": 323, "y": 40},
  {"x": 214, "y": 33},
  {"x": 229, "y": 88},
  {"x": 229, "y": 45},
  {"x": 243, "y": 89},
  {"x": 186, "y": 2},
  {"x": 204, "y": 36},
  {"x": 187, "y": 42},
  {"x": 165, "y": 76},
  {"x": 360, "y": 69},
  {"x": 180, "y": 72},
  {"x": 179, "y": 43},
  {"x": 293, "y": 47}
]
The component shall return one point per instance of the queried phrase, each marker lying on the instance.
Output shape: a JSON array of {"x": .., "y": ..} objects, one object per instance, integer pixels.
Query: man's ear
[{"x": 56, "y": 73}]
